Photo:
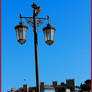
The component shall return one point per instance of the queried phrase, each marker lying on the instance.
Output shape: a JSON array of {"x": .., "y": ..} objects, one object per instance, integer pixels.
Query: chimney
[
  {"x": 54, "y": 83},
  {"x": 62, "y": 84},
  {"x": 42, "y": 85},
  {"x": 26, "y": 88},
  {"x": 13, "y": 89}
]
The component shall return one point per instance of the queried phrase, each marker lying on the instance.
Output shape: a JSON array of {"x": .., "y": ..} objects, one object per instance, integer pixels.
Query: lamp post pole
[
  {"x": 34, "y": 21},
  {"x": 36, "y": 50}
]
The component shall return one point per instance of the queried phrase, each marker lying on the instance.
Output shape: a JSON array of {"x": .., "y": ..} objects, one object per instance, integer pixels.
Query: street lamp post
[
  {"x": 21, "y": 31},
  {"x": 36, "y": 49}
]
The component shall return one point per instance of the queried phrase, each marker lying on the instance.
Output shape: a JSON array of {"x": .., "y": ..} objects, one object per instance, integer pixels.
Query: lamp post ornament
[{"x": 34, "y": 21}]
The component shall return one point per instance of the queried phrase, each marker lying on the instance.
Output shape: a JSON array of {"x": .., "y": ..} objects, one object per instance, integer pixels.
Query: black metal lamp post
[{"x": 21, "y": 31}]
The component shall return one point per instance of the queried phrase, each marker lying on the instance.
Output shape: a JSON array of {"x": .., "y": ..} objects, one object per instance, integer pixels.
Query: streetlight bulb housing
[
  {"x": 49, "y": 33},
  {"x": 21, "y": 31}
]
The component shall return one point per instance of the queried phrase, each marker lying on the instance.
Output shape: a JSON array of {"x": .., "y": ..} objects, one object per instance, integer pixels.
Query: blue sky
[{"x": 69, "y": 57}]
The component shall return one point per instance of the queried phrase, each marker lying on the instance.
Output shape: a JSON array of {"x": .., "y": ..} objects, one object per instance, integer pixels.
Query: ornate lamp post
[{"x": 21, "y": 31}]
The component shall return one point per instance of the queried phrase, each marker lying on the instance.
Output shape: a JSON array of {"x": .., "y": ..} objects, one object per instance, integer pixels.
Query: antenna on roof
[{"x": 24, "y": 80}]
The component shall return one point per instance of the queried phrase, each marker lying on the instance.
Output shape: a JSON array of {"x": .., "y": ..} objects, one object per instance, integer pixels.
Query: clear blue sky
[{"x": 68, "y": 57}]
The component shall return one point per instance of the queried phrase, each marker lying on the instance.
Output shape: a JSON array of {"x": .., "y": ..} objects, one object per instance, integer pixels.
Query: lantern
[
  {"x": 21, "y": 31},
  {"x": 49, "y": 33}
]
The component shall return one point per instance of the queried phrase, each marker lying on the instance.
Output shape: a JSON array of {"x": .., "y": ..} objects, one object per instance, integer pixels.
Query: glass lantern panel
[
  {"x": 20, "y": 33},
  {"x": 17, "y": 34},
  {"x": 24, "y": 33},
  {"x": 52, "y": 34},
  {"x": 48, "y": 34},
  {"x": 45, "y": 35}
]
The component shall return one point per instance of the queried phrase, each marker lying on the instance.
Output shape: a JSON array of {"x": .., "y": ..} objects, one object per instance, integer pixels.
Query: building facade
[{"x": 69, "y": 86}]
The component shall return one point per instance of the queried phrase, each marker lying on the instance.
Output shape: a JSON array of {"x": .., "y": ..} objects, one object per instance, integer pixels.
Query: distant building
[
  {"x": 69, "y": 86},
  {"x": 48, "y": 89},
  {"x": 86, "y": 87},
  {"x": 44, "y": 88},
  {"x": 60, "y": 88},
  {"x": 70, "y": 83},
  {"x": 26, "y": 89}
]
